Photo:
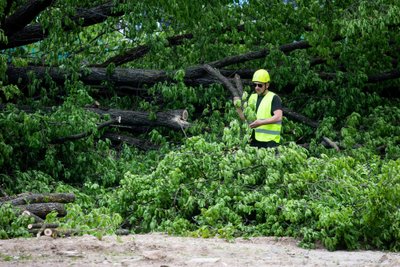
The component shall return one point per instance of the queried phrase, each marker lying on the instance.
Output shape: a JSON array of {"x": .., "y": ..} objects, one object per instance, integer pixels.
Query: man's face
[{"x": 260, "y": 88}]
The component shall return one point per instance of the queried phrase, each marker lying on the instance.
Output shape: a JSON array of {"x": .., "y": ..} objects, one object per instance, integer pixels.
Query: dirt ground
[{"x": 162, "y": 250}]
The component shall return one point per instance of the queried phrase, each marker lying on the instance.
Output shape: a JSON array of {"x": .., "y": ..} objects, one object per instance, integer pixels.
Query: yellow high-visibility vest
[{"x": 267, "y": 132}]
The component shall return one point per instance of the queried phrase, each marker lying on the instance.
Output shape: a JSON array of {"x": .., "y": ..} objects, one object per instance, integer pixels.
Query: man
[{"x": 267, "y": 126}]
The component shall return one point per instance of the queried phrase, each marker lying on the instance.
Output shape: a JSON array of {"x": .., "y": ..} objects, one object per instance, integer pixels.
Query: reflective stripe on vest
[{"x": 268, "y": 132}]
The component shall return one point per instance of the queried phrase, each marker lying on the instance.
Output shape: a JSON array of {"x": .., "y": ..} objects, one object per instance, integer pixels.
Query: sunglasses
[{"x": 258, "y": 85}]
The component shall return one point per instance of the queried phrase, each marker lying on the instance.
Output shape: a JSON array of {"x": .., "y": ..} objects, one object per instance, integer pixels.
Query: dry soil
[{"x": 163, "y": 250}]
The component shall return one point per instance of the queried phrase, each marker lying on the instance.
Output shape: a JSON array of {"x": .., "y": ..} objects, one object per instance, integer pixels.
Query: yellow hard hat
[{"x": 261, "y": 76}]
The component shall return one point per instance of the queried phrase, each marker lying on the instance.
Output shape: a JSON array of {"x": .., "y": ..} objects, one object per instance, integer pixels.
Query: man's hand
[{"x": 256, "y": 123}]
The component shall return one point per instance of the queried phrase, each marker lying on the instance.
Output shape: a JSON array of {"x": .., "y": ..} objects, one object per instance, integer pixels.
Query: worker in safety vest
[{"x": 267, "y": 126}]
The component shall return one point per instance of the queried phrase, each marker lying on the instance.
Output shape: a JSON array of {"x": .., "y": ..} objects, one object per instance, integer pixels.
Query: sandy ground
[{"x": 162, "y": 250}]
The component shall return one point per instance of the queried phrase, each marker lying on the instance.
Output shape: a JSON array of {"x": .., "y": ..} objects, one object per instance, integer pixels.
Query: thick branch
[
  {"x": 175, "y": 119},
  {"x": 197, "y": 71},
  {"x": 34, "y": 33},
  {"x": 40, "y": 198},
  {"x": 140, "y": 51},
  {"x": 42, "y": 209},
  {"x": 94, "y": 76},
  {"x": 137, "y": 78},
  {"x": 226, "y": 83},
  {"x": 298, "y": 117},
  {"x": 24, "y": 15}
]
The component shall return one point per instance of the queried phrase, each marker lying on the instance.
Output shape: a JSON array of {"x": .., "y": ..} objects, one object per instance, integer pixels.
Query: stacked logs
[
  {"x": 50, "y": 229},
  {"x": 37, "y": 206}
]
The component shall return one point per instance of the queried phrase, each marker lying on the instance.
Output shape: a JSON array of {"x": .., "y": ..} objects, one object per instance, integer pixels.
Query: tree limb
[
  {"x": 225, "y": 82},
  {"x": 197, "y": 71},
  {"x": 42, "y": 209},
  {"x": 34, "y": 33},
  {"x": 298, "y": 117},
  {"x": 24, "y": 15},
  {"x": 40, "y": 198},
  {"x": 140, "y": 51},
  {"x": 175, "y": 119}
]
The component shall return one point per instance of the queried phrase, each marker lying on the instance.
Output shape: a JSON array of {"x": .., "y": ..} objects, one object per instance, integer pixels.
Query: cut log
[
  {"x": 36, "y": 232},
  {"x": 36, "y": 218},
  {"x": 8, "y": 198},
  {"x": 60, "y": 232},
  {"x": 175, "y": 119},
  {"x": 27, "y": 198},
  {"x": 42, "y": 225},
  {"x": 42, "y": 209},
  {"x": 122, "y": 232}
]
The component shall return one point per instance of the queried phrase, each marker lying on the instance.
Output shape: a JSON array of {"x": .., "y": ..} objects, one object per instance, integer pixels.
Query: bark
[
  {"x": 36, "y": 218},
  {"x": 175, "y": 119},
  {"x": 298, "y": 117},
  {"x": 131, "y": 79},
  {"x": 8, "y": 198},
  {"x": 41, "y": 198},
  {"x": 24, "y": 15},
  {"x": 42, "y": 209},
  {"x": 198, "y": 71},
  {"x": 129, "y": 140},
  {"x": 94, "y": 76},
  {"x": 225, "y": 82},
  {"x": 34, "y": 33}
]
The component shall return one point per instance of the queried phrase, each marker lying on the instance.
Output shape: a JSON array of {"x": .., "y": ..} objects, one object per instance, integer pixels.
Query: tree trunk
[
  {"x": 42, "y": 209},
  {"x": 24, "y": 15},
  {"x": 41, "y": 198},
  {"x": 84, "y": 17},
  {"x": 175, "y": 119},
  {"x": 36, "y": 218}
]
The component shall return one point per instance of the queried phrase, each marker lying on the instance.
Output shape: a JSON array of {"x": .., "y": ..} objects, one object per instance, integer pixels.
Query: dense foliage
[{"x": 206, "y": 180}]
